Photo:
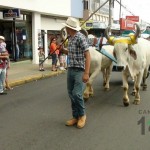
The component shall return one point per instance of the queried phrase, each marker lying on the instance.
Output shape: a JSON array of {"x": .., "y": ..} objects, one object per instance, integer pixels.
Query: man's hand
[
  {"x": 85, "y": 77},
  {"x": 64, "y": 50}
]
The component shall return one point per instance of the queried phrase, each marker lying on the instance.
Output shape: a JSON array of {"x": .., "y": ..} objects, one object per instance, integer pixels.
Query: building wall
[
  {"x": 51, "y": 23},
  {"x": 101, "y": 15},
  {"x": 47, "y": 15},
  {"x": 49, "y": 7},
  {"x": 45, "y": 24}
]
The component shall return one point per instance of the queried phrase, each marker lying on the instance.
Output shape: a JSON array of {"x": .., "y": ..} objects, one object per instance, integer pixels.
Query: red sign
[
  {"x": 133, "y": 18},
  {"x": 126, "y": 24}
]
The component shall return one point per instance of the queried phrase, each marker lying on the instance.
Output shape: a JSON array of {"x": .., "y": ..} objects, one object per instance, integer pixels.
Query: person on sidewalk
[
  {"x": 4, "y": 56},
  {"x": 78, "y": 71},
  {"x": 54, "y": 53},
  {"x": 41, "y": 58},
  {"x": 62, "y": 59}
]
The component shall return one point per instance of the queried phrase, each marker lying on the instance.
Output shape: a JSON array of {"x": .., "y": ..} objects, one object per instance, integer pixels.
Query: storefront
[
  {"x": 51, "y": 27},
  {"x": 17, "y": 33}
]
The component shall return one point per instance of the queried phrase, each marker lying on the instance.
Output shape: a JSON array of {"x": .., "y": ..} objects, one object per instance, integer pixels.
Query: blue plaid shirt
[{"x": 77, "y": 45}]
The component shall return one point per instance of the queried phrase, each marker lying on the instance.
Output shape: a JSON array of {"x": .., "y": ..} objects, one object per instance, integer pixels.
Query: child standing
[{"x": 41, "y": 58}]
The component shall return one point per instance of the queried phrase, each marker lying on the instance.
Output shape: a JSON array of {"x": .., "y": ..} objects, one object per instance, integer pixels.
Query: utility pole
[
  {"x": 110, "y": 13},
  {"x": 120, "y": 10}
]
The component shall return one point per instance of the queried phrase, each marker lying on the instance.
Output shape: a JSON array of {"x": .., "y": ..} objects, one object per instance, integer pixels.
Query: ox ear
[{"x": 132, "y": 52}]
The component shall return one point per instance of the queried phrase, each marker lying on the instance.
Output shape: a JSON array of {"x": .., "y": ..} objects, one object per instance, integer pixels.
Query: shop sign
[
  {"x": 98, "y": 24},
  {"x": 126, "y": 24},
  {"x": 87, "y": 25},
  {"x": 133, "y": 18},
  {"x": 11, "y": 13}
]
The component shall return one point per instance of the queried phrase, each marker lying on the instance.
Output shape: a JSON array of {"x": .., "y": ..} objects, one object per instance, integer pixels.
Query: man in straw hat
[
  {"x": 78, "y": 70},
  {"x": 3, "y": 57}
]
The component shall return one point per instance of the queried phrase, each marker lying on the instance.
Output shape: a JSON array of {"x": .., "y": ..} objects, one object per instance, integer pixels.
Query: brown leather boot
[
  {"x": 81, "y": 122},
  {"x": 71, "y": 122}
]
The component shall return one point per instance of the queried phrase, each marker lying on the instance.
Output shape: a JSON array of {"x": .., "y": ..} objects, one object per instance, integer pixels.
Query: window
[{"x": 85, "y": 5}]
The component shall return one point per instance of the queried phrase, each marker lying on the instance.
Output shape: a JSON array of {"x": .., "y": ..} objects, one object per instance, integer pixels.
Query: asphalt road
[{"x": 32, "y": 117}]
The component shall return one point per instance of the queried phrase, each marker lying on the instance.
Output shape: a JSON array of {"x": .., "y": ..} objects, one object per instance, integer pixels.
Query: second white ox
[
  {"x": 99, "y": 63},
  {"x": 135, "y": 60}
]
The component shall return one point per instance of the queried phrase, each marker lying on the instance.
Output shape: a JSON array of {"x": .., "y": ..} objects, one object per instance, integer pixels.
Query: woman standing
[{"x": 54, "y": 53}]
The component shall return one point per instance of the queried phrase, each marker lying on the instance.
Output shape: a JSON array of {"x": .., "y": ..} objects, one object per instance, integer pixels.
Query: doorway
[
  {"x": 17, "y": 42},
  {"x": 6, "y": 28}
]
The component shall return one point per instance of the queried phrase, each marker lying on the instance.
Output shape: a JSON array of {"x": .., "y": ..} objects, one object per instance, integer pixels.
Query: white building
[
  {"x": 102, "y": 15},
  {"x": 38, "y": 22}
]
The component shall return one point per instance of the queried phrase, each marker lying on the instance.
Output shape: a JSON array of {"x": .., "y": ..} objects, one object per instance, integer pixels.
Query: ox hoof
[
  {"x": 144, "y": 88},
  {"x": 136, "y": 102},
  {"x": 86, "y": 99},
  {"x": 126, "y": 104}
]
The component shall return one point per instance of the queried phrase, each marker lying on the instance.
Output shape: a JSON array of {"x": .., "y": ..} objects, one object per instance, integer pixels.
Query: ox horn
[
  {"x": 63, "y": 33},
  {"x": 107, "y": 33},
  {"x": 138, "y": 31},
  {"x": 110, "y": 39}
]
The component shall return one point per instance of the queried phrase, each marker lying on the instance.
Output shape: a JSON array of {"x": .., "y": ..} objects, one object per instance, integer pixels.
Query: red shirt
[{"x": 53, "y": 48}]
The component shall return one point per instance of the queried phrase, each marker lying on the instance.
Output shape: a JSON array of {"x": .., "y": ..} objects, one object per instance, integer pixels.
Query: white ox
[
  {"x": 99, "y": 63},
  {"x": 135, "y": 58}
]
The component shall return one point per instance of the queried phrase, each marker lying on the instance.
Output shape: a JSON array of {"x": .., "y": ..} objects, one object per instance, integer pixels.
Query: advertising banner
[
  {"x": 126, "y": 24},
  {"x": 133, "y": 18},
  {"x": 87, "y": 25}
]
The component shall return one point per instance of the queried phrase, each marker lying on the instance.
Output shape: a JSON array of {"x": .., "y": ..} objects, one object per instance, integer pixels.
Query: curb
[{"x": 34, "y": 78}]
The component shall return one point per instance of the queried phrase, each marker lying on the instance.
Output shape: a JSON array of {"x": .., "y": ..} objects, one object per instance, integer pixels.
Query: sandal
[{"x": 9, "y": 88}]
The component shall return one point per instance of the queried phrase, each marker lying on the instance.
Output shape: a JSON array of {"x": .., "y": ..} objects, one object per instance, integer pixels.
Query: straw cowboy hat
[
  {"x": 72, "y": 23},
  {"x": 2, "y": 38}
]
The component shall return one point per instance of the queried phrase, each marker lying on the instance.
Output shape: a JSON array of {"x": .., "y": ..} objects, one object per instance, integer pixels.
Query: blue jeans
[
  {"x": 16, "y": 54},
  {"x": 2, "y": 79},
  {"x": 75, "y": 87},
  {"x": 54, "y": 59}
]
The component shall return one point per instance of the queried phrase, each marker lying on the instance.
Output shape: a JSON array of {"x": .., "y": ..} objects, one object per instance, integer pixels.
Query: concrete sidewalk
[{"x": 24, "y": 72}]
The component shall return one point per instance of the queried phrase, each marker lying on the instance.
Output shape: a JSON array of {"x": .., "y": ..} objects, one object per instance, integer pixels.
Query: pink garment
[{"x": 2, "y": 47}]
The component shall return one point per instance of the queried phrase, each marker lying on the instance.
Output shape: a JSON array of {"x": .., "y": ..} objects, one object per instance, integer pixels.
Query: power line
[
  {"x": 125, "y": 8},
  {"x": 128, "y": 10}
]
